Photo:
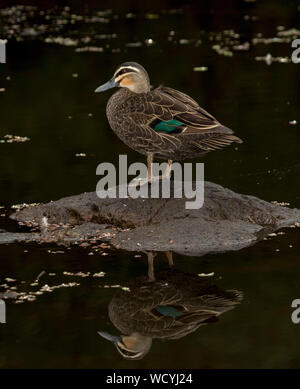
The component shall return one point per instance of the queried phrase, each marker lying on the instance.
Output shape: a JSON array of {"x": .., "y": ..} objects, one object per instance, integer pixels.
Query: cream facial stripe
[
  {"x": 127, "y": 67},
  {"x": 129, "y": 70}
]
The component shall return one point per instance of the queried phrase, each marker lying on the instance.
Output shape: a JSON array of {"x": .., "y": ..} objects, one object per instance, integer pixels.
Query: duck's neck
[{"x": 142, "y": 87}]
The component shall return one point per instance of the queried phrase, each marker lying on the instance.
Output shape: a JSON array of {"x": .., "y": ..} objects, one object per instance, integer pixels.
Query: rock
[
  {"x": 227, "y": 221},
  {"x": 13, "y": 237}
]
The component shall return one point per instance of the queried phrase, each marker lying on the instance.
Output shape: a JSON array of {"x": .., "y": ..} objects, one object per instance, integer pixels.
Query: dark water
[{"x": 49, "y": 98}]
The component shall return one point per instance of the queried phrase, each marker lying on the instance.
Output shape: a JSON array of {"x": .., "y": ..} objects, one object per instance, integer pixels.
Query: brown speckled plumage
[{"x": 131, "y": 115}]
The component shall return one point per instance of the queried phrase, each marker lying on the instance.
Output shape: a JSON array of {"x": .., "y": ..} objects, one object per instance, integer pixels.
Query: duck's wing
[
  {"x": 187, "y": 111},
  {"x": 175, "y": 119},
  {"x": 185, "y": 99},
  {"x": 174, "y": 114}
]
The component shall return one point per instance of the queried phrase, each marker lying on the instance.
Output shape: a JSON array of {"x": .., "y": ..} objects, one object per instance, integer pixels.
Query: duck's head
[
  {"x": 133, "y": 347},
  {"x": 129, "y": 75}
]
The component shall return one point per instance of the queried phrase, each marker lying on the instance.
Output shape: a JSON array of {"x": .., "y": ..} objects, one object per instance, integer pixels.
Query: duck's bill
[
  {"x": 107, "y": 336},
  {"x": 108, "y": 85}
]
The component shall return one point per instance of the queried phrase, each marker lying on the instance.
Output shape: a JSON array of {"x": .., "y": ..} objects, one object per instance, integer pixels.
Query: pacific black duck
[
  {"x": 172, "y": 307},
  {"x": 160, "y": 122}
]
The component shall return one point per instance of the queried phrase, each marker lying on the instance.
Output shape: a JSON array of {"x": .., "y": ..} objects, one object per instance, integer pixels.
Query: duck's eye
[{"x": 120, "y": 72}]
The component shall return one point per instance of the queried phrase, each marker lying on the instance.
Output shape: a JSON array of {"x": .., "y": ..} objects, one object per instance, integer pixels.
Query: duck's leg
[
  {"x": 166, "y": 174},
  {"x": 169, "y": 255},
  {"x": 150, "y": 178},
  {"x": 149, "y": 166},
  {"x": 145, "y": 180},
  {"x": 151, "y": 276}
]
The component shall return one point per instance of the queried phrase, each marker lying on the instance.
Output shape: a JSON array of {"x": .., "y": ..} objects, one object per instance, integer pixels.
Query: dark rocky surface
[{"x": 227, "y": 221}]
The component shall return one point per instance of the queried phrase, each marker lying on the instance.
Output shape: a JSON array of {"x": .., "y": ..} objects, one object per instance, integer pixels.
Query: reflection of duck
[
  {"x": 162, "y": 122},
  {"x": 171, "y": 307}
]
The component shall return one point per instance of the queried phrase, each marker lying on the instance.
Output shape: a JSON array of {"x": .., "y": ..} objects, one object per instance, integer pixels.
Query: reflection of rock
[
  {"x": 173, "y": 306},
  {"x": 227, "y": 221}
]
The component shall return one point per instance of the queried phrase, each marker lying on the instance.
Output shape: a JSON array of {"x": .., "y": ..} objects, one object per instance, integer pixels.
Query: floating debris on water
[
  {"x": 269, "y": 59},
  {"x": 96, "y": 19},
  {"x": 134, "y": 44},
  {"x": 200, "y": 69},
  {"x": 126, "y": 289},
  {"x": 151, "y": 16},
  {"x": 14, "y": 139},
  {"x": 42, "y": 273},
  {"x": 242, "y": 47},
  {"x": 184, "y": 41},
  {"x": 222, "y": 50},
  {"x": 78, "y": 274},
  {"x": 206, "y": 274},
  {"x": 89, "y": 48},
  {"x": 291, "y": 32},
  {"x": 106, "y": 36},
  {"x": 174, "y": 11},
  {"x": 7, "y": 279},
  {"x": 47, "y": 288},
  {"x": 21, "y": 297},
  {"x": 149, "y": 42},
  {"x": 130, "y": 15},
  {"x": 62, "y": 41},
  {"x": 100, "y": 274},
  {"x": 252, "y": 18}
]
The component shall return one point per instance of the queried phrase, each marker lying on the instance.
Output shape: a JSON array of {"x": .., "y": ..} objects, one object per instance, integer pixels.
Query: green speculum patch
[{"x": 170, "y": 126}]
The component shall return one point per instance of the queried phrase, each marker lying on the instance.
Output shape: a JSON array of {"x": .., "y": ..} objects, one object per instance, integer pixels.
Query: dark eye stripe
[{"x": 125, "y": 70}]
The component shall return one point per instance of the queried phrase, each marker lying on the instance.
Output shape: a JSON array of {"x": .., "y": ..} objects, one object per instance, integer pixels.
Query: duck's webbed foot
[
  {"x": 150, "y": 178},
  {"x": 140, "y": 181},
  {"x": 146, "y": 180}
]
